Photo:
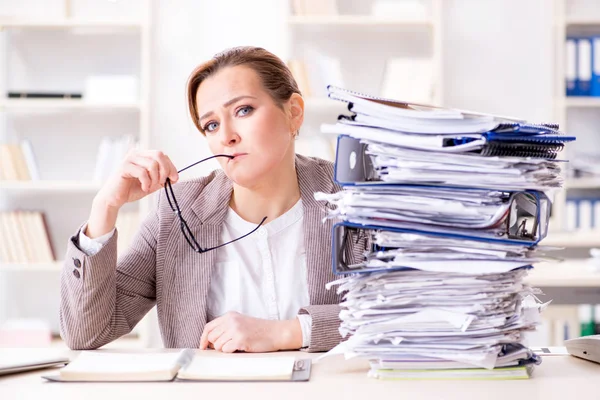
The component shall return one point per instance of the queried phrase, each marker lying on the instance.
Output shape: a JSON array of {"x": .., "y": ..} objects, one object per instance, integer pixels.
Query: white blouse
[{"x": 262, "y": 275}]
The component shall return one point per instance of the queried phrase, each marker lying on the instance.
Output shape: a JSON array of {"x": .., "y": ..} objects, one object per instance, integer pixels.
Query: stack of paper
[
  {"x": 452, "y": 230},
  {"x": 411, "y": 143}
]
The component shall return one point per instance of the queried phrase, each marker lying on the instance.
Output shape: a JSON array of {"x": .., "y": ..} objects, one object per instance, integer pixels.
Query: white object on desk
[{"x": 587, "y": 347}]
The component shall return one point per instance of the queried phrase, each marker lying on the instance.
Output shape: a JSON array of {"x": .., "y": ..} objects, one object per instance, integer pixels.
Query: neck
[{"x": 271, "y": 197}]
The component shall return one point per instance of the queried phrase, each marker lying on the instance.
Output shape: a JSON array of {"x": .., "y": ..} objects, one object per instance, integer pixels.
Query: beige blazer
[{"x": 103, "y": 299}]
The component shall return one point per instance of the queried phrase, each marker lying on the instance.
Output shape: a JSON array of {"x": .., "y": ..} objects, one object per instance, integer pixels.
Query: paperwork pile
[{"x": 452, "y": 205}]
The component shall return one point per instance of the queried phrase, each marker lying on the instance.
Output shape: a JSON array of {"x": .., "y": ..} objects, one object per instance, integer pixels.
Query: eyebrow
[{"x": 227, "y": 104}]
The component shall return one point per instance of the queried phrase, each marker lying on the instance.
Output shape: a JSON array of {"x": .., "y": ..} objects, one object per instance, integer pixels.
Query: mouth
[{"x": 237, "y": 156}]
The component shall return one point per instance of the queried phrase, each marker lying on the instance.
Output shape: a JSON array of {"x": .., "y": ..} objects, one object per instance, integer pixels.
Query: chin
[{"x": 245, "y": 177}]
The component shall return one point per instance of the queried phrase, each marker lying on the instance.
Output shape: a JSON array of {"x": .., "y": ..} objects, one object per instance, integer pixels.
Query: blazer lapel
[{"x": 192, "y": 272}]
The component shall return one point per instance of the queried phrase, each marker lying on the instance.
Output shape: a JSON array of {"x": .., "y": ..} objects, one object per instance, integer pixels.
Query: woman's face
[{"x": 240, "y": 118}]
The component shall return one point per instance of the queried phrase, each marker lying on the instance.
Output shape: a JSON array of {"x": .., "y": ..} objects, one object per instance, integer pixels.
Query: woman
[{"x": 265, "y": 292}]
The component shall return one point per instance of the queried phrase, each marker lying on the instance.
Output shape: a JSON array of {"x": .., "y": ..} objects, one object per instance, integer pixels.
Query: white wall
[
  {"x": 187, "y": 33},
  {"x": 498, "y": 57}
]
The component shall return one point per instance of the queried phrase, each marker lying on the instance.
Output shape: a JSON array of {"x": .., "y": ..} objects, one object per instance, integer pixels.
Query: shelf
[
  {"x": 569, "y": 273},
  {"x": 68, "y": 24},
  {"x": 324, "y": 103},
  {"x": 583, "y": 22},
  {"x": 583, "y": 183},
  {"x": 355, "y": 20},
  {"x": 32, "y": 267},
  {"x": 582, "y": 101},
  {"x": 63, "y": 104},
  {"x": 50, "y": 186},
  {"x": 572, "y": 239}
]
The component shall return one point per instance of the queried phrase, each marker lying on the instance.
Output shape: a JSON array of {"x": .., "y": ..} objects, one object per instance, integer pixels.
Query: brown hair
[{"x": 275, "y": 76}]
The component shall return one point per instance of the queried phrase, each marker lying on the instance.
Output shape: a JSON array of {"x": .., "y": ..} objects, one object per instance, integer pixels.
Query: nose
[{"x": 229, "y": 135}]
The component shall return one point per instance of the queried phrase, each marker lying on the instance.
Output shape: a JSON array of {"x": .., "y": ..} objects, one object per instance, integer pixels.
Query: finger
[
  {"x": 230, "y": 346},
  {"x": 168, "y": 169},
  {"x": 207, "y": 330},
  {"x": 135, "y": 171},
  {"x": 151, "y": 165},
  {"x": 171, "y": 169},
  {"x": 222, "y": 340},
  {"x": 215, "y": 334}
]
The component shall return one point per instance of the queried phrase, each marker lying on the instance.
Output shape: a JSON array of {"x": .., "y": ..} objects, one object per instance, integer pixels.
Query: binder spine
[
  {"x": 595, "y": 87},
  {"x": 584, "y": 65},
  {"x": 571, "y": 67}
]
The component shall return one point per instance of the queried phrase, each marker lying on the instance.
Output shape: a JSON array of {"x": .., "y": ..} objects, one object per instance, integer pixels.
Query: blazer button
[
  {"x": 76, "y": 273},
  {"x": 77, "y": 263}
]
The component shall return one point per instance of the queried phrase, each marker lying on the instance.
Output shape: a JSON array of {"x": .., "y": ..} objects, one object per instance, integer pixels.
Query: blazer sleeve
[
  {"x": 325, "y": 333},
  {"x": 102, "y": 299}
]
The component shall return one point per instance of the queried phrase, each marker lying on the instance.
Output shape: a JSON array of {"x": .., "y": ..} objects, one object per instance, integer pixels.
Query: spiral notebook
[{"x": 532, "y": 150}]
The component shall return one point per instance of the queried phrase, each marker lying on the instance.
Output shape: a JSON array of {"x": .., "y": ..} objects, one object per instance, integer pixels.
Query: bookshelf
[
  {"x": 48, "y": 186},
  {"x": 578, "y": 116},
  {"x": 63, "y": 104},
  {"x": 356, "y": 20},
  {"x": 69, "y": 23},
  {"x": 66, "y": 134},
  {"x": 324, "y": 30}
]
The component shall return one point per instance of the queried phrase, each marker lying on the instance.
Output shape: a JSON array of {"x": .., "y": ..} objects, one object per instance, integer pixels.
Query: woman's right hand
[{"x": 143, "y": 172}]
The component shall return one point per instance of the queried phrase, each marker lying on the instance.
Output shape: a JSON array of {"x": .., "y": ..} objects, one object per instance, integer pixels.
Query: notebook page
[
  {"x": 239, "y": 368},
  {"x": 109, "y": 366}
]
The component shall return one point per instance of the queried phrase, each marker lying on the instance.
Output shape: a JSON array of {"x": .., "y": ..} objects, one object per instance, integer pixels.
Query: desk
[{"x": 333, "y": 379}]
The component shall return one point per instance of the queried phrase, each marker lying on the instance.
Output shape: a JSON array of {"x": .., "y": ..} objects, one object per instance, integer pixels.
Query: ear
[{"x": 296, "y": 110}]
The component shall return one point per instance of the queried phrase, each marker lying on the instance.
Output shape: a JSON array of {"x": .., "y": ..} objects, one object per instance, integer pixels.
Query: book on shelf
[
  {"x": 25, "y": 238},
  {"x": 183, "y": 365},
  {"x": 298, "y": 70},
  {"x": 44, "y": 95},
  {"x": 111, "y": 89},
  {"x": 17, "y": 162},
  {"x": 408, "y": 79},
  {"x": 322, "y": 70},
  {"x": 582, "y": 65},
  {"x": 314, "y": 7},
  {"x": 316, "y": 72},
  {"x": 111, "y": 153}
]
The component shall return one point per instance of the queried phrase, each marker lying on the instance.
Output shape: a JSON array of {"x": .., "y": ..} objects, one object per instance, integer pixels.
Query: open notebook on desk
[{"x": 184, "y": 365}]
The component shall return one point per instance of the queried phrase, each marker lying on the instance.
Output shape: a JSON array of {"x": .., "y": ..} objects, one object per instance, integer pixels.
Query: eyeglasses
[{"x": 187, "y": 233}]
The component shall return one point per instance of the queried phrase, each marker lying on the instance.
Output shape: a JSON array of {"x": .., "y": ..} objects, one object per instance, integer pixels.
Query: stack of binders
[{"x": 453, "y": 206}]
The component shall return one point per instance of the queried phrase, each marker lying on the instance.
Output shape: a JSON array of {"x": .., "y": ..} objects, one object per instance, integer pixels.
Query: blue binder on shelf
[
  {"x": 595, "y": 86},
  {"x": 571, "y": 66},
  {"x": 584, "y": 66}
]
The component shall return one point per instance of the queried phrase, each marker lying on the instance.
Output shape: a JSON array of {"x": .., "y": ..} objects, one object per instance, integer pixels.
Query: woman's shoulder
[{"x": 321, "y": 171}]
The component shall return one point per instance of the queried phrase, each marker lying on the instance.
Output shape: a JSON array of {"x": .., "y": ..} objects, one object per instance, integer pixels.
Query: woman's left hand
[{"x": 236, "y": 332}]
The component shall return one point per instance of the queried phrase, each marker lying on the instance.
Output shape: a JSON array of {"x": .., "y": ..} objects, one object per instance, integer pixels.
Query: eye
[
  {"x": 210, "y": 127},
  {"x": 245, "y": 110}
]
